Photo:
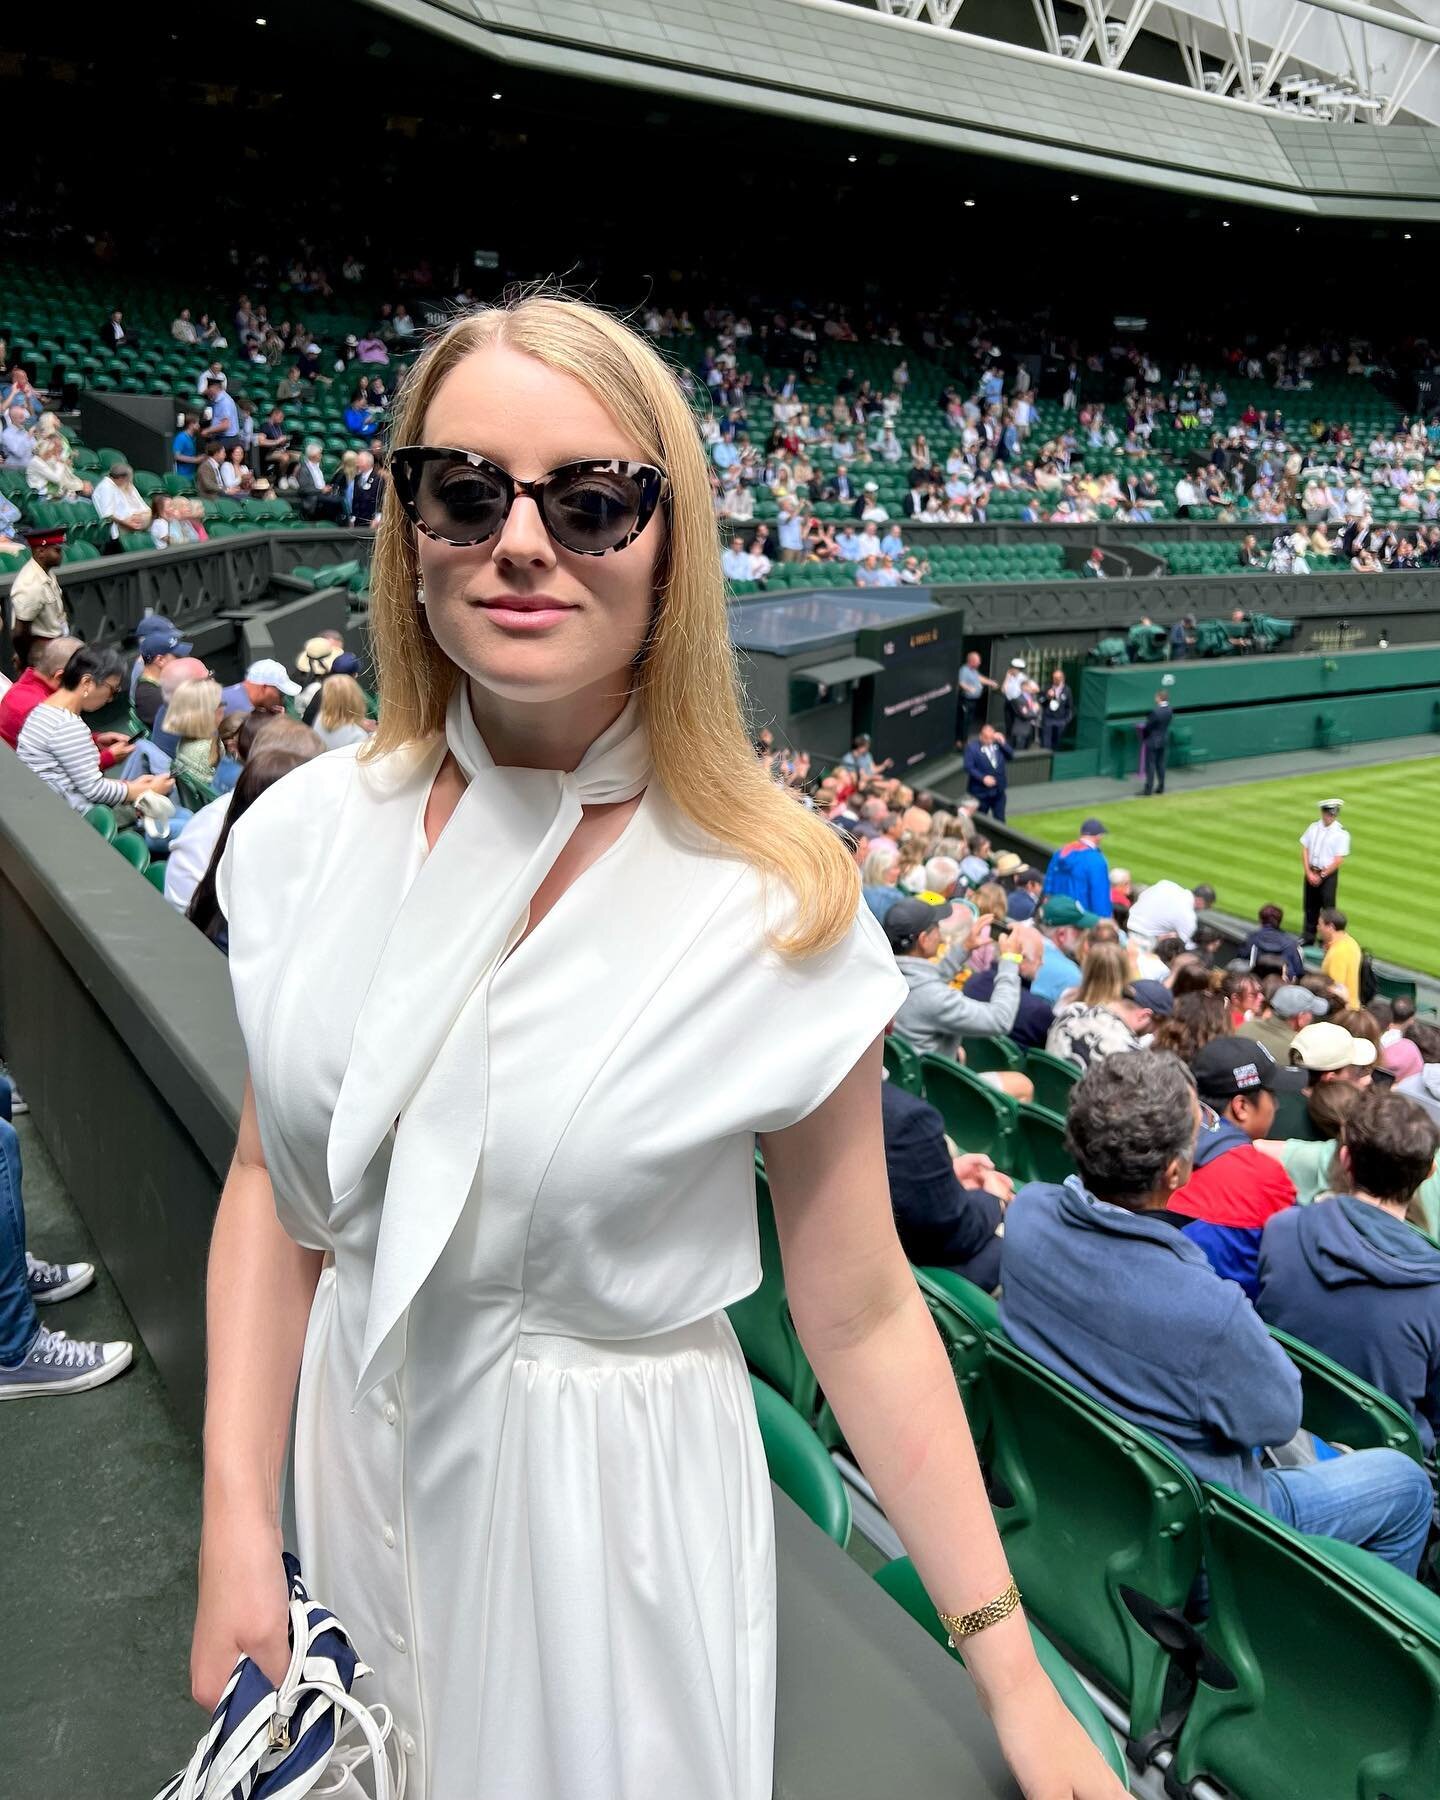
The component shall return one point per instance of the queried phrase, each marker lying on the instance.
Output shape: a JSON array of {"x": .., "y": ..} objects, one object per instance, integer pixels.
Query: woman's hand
[
  {"x": 1048, "y": 1753},
  {"x": 244, "y": 1607}
]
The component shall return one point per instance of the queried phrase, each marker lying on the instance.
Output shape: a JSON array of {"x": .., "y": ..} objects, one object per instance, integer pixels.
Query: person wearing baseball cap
[
  {"x": 37, "y": 606},
  {"x": 1328, "y": 1052},
  {"x": 1324, "y": 845},
  {"x": 936, "y": 1016},
  {"x": 1100, "y": 1287},
  {"x": 1024, "y": 897},
  {"x": 1063, "y": 923},
  {"x": 261, "y": 690},
  {"x": 1289, "y": 1009},
  {"x": 1080, "y": 870},
  {"x": 1234, "y": 1188},
  {"x": 158, "y": 649}
]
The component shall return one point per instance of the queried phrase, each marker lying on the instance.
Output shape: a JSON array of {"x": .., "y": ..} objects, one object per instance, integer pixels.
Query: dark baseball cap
[
  {"x": 1093, "y": 828},
  {"x": 1233, "y": 1065},
  {"x": 906, "y": 919},
  {"x": 1153, "y": 995},
  {"x": 164, "y": 643}
]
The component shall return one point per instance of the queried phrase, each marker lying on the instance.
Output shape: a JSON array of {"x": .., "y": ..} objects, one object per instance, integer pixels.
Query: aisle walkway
[{"x": 100, "y": 1508}]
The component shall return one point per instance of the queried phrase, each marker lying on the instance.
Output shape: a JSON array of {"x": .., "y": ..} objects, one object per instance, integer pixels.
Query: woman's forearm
[
  {"x": 893, "y": 1391},
  {"x": 259, "y": 1291}
]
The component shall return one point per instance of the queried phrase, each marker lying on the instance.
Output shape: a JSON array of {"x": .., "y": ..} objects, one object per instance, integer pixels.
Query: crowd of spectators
[{"x": 1254, "y": 1143}]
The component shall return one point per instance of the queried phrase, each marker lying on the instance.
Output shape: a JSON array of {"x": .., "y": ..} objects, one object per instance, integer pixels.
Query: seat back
[
  {"x": 763, "y": 1324},
  {"x": 1053, "y": 1078},
  {"x": 964, "y": 1316},
  {"x": 903, "y": 1061},
  {"x": 1328, "y": 1682},
  {"x": 1343, "y": 1408},
  {"x": 1101, "y": 1525},
  {"x": 133, "y": 848},
  {"x": 903, "y": 1584},
  {"x": 977, "y": 1117},
  {"x": 190, "y": 792},
  {"x": 102, "y": 818},
  {"x": 988, "y": 1054},
  {"x": 800, "y": 1466}
]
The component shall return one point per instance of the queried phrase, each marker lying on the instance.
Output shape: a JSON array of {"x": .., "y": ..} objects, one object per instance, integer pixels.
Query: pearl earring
[{"x": 419, "y": 593}]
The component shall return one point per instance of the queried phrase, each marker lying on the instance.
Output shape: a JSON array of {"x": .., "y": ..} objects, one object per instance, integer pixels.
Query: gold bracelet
[{"x": 964, "y": 1625}]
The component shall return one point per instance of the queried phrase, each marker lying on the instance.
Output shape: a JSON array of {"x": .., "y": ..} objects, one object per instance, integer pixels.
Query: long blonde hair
[
  {"x": 1103, "y": 975},
  {"x": 342, "y": 702},
  {"x": 192, "y": 714},
  {"x": 686, "y": 674}
]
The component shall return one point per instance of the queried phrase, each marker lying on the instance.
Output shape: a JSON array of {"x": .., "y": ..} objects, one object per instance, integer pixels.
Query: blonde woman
[
  {"x": 342, "y": 718},
  {"x": 193, "y": 715},
  {"x": 1108, "y": 1011},
  {"x": 49, "y": 473},
  {"x": 495, "y": 1188}
]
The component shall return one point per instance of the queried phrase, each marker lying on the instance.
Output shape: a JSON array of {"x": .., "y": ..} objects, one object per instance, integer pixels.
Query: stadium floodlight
[{"x": 1068, "y": 45}]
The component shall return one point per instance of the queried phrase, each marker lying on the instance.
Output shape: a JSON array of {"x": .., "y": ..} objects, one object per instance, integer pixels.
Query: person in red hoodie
[
  {"x": 1234, "y": 1188},
  {"x": 38, "y": 682}
]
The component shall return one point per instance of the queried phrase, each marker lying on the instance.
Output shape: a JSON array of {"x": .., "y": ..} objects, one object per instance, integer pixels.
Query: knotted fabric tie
[{"x": 419, "y": 1055}]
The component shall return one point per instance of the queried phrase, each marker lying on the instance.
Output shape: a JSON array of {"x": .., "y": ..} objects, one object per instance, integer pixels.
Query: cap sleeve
[{"x": 816, "y": 1018}]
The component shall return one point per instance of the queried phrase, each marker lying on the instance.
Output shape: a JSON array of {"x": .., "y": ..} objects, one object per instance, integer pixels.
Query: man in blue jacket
[
  {"x": 1080, "y": 870},
  {"x": 947, "y": 1208},
  {"x": 986, "y": 776},
  {"x": 1103, "y": 1289},
  {"x": 1349, "y": 1276}
]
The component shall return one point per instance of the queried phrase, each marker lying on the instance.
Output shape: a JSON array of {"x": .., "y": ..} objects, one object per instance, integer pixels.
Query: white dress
[{"x": 539, "y": 1500}]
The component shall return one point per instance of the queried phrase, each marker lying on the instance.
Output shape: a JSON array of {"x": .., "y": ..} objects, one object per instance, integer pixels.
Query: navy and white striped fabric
[{"x": 268, "y": 1743}]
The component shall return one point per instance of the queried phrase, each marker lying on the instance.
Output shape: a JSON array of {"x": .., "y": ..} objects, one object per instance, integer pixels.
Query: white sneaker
[
  {"x": 50, "y": 1282},
  {"x": 61, "y": 1365}
]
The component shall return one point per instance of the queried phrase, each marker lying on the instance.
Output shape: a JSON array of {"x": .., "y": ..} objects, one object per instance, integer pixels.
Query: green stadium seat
[
  {"x": 133, "y": 848},
  {"x": 964, "y": 1316},
  {"x": 1344, "y": 1409},
  {"x": 102, "y": 818},
  {"x": 1043, "y": 1155},
  {"x": 992, "y": 1055},
  {"x": 900, "y": 1580},
  {"x": 155, "y": 875},
  {"x": 800, "y": 1465},
  {"x": 1101, "y": 1524},
  {"x": 763, "y": 1324},
  {"x": 136, "y": 542},
  {"x": 977, "y": 1116},
  {"x": 903, "y": 1061},
  {"x": 1323, "y": 1668}
]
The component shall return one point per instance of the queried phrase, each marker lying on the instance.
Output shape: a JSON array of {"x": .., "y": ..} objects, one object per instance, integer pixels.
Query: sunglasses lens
[
  {"x": 593, "y": 509},
  {"x": 459, "y": 502}
]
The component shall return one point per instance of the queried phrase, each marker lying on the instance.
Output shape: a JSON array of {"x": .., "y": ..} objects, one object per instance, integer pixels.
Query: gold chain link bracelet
[{"x": 964, "y": 1625}]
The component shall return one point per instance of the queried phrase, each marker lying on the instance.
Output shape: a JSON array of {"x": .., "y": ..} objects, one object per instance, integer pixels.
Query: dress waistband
[{"x": 705, "y": 1337}]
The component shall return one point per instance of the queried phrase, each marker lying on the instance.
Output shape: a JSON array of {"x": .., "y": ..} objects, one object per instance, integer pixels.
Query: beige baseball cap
[{"x": 1323, "y": 1048}]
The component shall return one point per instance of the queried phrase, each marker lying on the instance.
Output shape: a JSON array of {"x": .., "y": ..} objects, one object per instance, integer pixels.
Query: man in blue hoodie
[
  {"x": 1079, "y": 870},
  {"x": 1100, "y": 1286},
  {"x": 1349, "y": 1276}
]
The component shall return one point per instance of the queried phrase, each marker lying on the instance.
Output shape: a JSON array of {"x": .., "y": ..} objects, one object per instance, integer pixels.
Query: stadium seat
[
  {"x": 800, "y": 1465},
  {"x": 964, "y": 1316},
  {"x": 977, "y": 1117},
  {"x": 192, "y": 793},
  {"x": 155, "y": 875},
  {"x": 133, "y": 848},
  {"x": 763, "y": 1324},
  {"x": 1053, "y": 1078},
  {"x": 1323, "y": 1671},
  {"x": 1042, "y": 1153},
  {"x": 900, "y": 1580},
  {"x": 1101, "y": 1524},
  {"x": 1344, "y": 1409},
  {"x": 102, "y": 818},
  {"x": 903, "y": 1061},
  {"x": 992, "y": 1055}
]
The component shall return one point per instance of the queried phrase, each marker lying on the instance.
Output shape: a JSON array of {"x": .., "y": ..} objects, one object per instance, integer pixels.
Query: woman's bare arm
[{"x": 882, "y": 1367}]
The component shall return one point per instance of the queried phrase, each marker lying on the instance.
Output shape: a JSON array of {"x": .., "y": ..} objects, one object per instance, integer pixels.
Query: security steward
[
  {"x": 1323, "y": 847},
  {"x": 1155, "y": 739},
  {"x": 37, "y": 606}
]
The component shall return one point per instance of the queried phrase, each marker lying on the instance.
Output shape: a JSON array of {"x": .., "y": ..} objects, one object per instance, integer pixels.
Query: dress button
[
  {"x": 392, "y": 1412},
  {"x": 389, "y": 1536},
  {"x": 396, "y": 1641},
  {"x": 407, "y": 1743}
]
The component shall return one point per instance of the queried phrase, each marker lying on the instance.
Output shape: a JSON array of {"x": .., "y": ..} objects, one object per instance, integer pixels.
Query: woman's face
[{"x": 530, "y": 419}]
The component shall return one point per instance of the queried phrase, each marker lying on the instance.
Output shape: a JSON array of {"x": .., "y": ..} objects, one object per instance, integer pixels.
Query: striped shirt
[{"x": 58, "y": 747}]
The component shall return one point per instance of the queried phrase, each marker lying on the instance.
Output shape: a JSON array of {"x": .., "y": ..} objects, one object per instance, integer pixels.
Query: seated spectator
[
  {"x": 948, "y": 1209},
  {"x": 1099, "y": 1286},
  {"x": 37, "y": 683},
  {"x": 1350, "y": 1276},
  {"x": 17, "y": 440},
  {"x": 210, "y": 480},
  {"x": 264, "y": 688},
  {"x": 1233, "y": 1189},
  {"x": 343, "y": 718},
  {"x": 1342, "y": 954},
  {"x": 1034, "y": 1016},
  {"x": 1423, "y": 1086},
  {"x": 1109, "y": 1012},
  {"x": 1079, "y": 870},
  {"x": 735, "y": 560},
  {"x": 34, "y": 1359},
  {"x": 1270, "y": 942},
  {"x": 1310, "y": 1161},
  {"x": 1194, "y": 1020},
  {"x": 232, "y": 760},
  {"x": 346, "y": 663},
  {"x": 188, "y": 861},
  {"x": 50, "y": 474},
  {"x": 1063, "y": 923},
  {"x": 55, "y": 744},
  {"x": 1288, "y": 1010},
  {"x": 193, "y": 716},
  {"x": 936, "y": 1015},
  {"x": 120, "y": 504},
  {"x": 235, "y": 475},
  {"x": 184, "y": 668},
  {"x": 158, "y": 650},
  {"x": 284, "y": 745},
  {"x": 317, "y": 494},
  {"x": 879, "y": 876},
  {"x": 316, "y": 659}
]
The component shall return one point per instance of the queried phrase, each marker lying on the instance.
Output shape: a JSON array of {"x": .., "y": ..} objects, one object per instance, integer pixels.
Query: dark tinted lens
[
  {"x": 592, "y": 509},
  {"x": 459, "y": 501}
]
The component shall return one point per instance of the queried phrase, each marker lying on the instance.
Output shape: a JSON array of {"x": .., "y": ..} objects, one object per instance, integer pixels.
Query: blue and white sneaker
[
  {"x": 61, "y": 1365},
  {"x": 50, "y": 1282}
]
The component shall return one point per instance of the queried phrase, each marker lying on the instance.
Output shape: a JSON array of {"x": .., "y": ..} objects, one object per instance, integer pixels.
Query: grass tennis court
[{"x": 1244, "y": 841}]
